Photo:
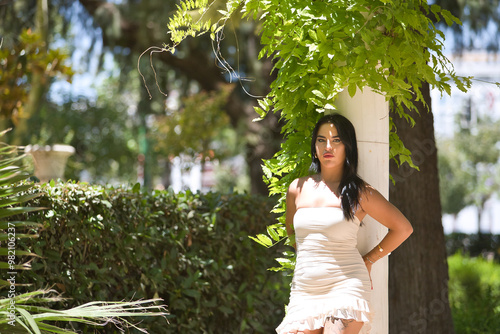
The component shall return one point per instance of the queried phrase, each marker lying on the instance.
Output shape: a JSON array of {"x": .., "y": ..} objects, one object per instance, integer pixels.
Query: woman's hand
[{"x": 368, "y": 264}]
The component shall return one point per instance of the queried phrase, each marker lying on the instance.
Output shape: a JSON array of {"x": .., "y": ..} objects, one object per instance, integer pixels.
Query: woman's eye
[{"x": 336, "y": 140}]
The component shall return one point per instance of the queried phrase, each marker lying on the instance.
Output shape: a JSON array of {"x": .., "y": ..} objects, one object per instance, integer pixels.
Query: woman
[{"x": 331, "y": 284}]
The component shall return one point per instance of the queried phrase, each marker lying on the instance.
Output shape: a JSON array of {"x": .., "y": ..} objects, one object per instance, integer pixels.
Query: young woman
[{"x": 331, "y": 285}]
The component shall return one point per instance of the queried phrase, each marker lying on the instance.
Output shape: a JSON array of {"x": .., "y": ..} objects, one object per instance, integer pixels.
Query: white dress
[{"x": 330, "y": 277}]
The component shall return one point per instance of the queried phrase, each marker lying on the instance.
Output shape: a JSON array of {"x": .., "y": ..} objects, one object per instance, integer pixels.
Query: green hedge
[
  {"x": 192, "y": 250},
  {"x": 474, "y": 294}
]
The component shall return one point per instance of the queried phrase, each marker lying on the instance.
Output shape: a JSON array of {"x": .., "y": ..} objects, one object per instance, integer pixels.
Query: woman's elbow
[{"x": 408, "y": 230}]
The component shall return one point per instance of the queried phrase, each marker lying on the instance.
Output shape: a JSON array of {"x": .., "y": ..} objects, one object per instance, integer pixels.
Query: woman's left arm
[{"x": 375, "y": 205}]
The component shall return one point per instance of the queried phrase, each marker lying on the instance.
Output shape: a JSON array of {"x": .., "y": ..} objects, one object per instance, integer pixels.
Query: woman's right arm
[{"x": 291, "y": 207}]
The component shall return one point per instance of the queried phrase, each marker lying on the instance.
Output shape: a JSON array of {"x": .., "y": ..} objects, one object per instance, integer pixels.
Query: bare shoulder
[
  {"x": 368, "y": 193},
  {"x": 299, "y": 184},
  {"x": 294, "y": 185},
  {"x": 371, "y": 199}
]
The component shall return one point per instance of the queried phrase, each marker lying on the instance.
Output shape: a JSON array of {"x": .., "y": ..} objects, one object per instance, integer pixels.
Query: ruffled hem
[{"x": 317, "y": 321}]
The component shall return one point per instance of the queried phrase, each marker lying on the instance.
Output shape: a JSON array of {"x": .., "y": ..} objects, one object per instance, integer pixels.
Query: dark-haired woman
[{"x": 331, "y": 285}]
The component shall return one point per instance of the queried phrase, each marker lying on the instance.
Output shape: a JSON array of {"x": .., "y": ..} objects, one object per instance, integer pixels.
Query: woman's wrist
[{"x": 368, "y": 258}]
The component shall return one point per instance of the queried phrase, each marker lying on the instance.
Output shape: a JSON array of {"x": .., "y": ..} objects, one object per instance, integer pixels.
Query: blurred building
[{"x": 482, "y": 99}]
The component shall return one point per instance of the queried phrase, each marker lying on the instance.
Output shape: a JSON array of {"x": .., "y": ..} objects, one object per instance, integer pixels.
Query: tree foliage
[
  {"x": 482, "y": 18},
  {"x": 192, "y": 129},
  {"x": 96, "y": 29},
  {"x": 18, "y": 62},
  {"x": 321, "y": 48},
  {"x": 469, "y": 166},
  {"x": 453, "y": 179}
]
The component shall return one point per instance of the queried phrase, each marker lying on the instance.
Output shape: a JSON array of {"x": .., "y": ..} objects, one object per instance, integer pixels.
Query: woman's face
[{"x": 329, "y": 148}]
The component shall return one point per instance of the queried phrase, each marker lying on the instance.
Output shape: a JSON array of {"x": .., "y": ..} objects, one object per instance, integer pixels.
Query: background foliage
[
  {"x": 105, "y": 40},
  {"x": 474, "y": 245},
  {"x": 103, "y": 133},
  {"x": 474, "y": 294},
  {"x": 468, "y": 166},
  {"x": 29, "y": 312},
  {"x": 191, "y": 250},
  {"x": 19, "y": 62}
]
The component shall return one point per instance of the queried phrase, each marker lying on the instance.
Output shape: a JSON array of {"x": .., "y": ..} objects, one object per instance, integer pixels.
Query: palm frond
[
  {"x": 15, "y": 189},
  {"x": 5, "y": 225},
  {"x": 33, "y": 317},
  {"x": 14, "y": 192}
]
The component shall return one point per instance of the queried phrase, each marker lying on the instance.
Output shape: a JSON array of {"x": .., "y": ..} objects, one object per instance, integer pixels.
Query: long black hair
[{"x": 351, "y": 184}]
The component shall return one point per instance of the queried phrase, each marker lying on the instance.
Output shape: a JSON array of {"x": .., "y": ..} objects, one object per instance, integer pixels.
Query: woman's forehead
[{"x": 328, "y": 130}]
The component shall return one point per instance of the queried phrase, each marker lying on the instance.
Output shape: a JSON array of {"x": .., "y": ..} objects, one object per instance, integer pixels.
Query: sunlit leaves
[
  {"x": 18, "y": 64},
  {"x": 197, "y": 17}
]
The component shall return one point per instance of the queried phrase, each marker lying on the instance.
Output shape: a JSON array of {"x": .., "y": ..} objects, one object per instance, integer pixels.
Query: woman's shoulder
[
  {"x": 299, "y": 183},
  {"x": 368, "y": 192}
]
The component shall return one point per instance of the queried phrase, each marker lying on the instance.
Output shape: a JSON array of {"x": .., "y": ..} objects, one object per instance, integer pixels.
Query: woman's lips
[{"x": 328, "y": 155}]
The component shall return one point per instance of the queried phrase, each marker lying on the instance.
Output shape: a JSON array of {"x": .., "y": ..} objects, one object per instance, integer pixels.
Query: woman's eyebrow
[{"x": 321, "y": 136}]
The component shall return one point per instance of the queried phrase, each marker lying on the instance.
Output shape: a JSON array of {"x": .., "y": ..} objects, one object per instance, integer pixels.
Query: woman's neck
[{"x": 331, "y": 176}]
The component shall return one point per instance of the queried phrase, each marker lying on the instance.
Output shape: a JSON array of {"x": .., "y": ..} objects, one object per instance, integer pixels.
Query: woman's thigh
[
  {"x": 335, "y": 326},
  {"x": 307, "y": 331},
  {"x": 342, "y": 326}
]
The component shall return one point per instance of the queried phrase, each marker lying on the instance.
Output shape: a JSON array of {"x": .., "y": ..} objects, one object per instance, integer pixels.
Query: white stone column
[{"x": 369, "y": 112}]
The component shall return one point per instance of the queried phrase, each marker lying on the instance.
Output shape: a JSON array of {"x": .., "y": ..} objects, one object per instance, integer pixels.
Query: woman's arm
[
  {"x": 291, "y": 207},
  {"x": 375, "y": 205}
]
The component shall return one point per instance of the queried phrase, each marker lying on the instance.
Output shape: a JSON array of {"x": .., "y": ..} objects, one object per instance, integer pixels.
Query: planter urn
[{"x": 50, "y": 160}]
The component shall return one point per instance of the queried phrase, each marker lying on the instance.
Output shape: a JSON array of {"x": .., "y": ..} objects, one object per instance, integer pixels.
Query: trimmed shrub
[
  {"x": 192, "y": 250},
  {"x": 474, "y": 288}
]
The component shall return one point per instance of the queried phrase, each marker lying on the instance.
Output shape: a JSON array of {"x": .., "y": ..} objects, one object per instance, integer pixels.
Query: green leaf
[
  {"x": 262, "y": 113},
  {"x": 192, "y": 293},
  {"x": 29, "y": 319},
  {"x": 272, "y": 232},
  {"x": 136, "y": 188},
  {"x": 262, "y": 239},
  {"x": 318, "y": 94},
  {"x": 5, "y": 251},
  {"x": 352, "y": 89}
]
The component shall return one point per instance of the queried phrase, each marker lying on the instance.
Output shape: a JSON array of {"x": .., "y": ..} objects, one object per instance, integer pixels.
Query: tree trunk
[
  {"x": 418, "y": 270},
  {"x": 479, "y": 216},
  {"x": 38, "y": 85}
]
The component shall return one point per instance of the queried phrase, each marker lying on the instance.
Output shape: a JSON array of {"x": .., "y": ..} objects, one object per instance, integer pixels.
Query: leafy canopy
[
  {"x": 18, "y": 63},
  {"x": 323, "y": 47}
]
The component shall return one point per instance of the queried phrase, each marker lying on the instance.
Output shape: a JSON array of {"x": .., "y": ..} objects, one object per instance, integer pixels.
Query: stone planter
[{"x": 50, "y": 161}]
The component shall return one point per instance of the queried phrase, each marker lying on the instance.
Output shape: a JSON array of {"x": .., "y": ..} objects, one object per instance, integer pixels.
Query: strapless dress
[{"x": 330, "y": 279}]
